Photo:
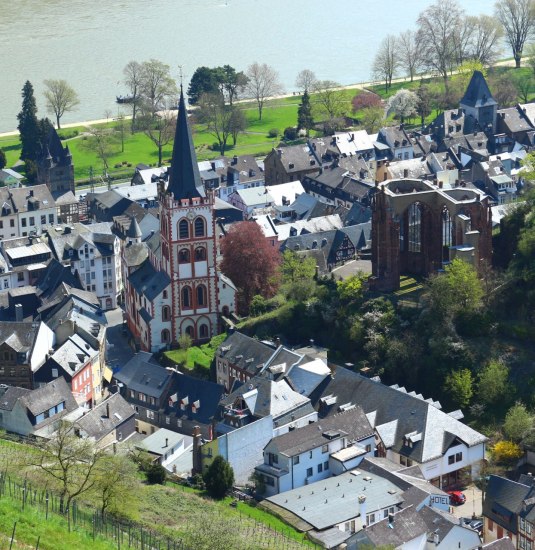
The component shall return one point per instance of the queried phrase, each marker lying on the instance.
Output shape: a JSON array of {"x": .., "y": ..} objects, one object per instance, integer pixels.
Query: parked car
[
  {"x": 457, "y": 497},
  {"x": 477, "y": 525}
]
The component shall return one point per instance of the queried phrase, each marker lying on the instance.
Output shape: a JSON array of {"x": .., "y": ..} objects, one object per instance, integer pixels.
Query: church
[{"x": 178, "y": 288}]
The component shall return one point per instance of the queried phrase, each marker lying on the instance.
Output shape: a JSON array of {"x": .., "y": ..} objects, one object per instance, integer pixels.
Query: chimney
[
  {"x": 279, "y": 152},
  {"x": 362, "y": 510},
  {"x": 405, "y": 173},
  {"x": 197, "y": 455},
  {"x": 31, "y": 192},
  {"x": 440, "y": 183},
  {"x": 235, "y": 159},
  {"x": 391, "y": 519},
  {"x": 19, "y": 315},
  {"x": 277, "y": 341},
  {"x": 107, "y": 410},
  {"x": 166, "y": 442}
]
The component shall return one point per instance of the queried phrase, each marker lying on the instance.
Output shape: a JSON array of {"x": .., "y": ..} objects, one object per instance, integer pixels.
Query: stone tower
[
  {"x": 54, "y": 166},
  {"x": 479, "y": 103}
]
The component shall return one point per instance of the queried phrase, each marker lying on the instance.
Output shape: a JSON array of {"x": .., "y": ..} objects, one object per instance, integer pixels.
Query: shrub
[
  {"x": 156, "y": 474},
  {"x": 290, "y": 133},
  {"x": 273, "y": 133},
  {"x": 219, "y": 477},
  {"x": 506, "y": 452}
]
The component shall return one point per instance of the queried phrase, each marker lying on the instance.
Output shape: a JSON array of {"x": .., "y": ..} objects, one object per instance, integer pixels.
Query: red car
[{"x": 457, "y": 497}]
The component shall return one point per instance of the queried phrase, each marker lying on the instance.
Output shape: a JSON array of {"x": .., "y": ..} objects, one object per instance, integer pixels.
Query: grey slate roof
[
  {"x": 48, "y": 396},
  {"x": 501, "y": 544},
  {"x": 97, "y": 424},
  {"x": 244, "y": 352},
  {"x": 148, "y": 281},
  {"x": 9, "y": 395},
  {"x": 19, "y": 336},
  {"x": 402, "y": 413},
  {"x": 134, "y": 231},
  {"x": 184, "y": 177},
  {"x": 351, "y": 424},
  {"x": 143, "y": 375},
  {"x": 477, "y": 94}
]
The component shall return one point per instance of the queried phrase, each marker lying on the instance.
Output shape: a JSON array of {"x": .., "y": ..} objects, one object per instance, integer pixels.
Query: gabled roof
[
  {"x": 148, "y": 281},
  {"x": 141, "y": 374},
  {"x": 48, "y": 396},
  {"x": 184, "y": 177},
  {"x": 244, "y": 352},
  {"x": 9, "y": 395},
  {"x": 477, "y": 94},
  {"x": 19, "y": 336}
]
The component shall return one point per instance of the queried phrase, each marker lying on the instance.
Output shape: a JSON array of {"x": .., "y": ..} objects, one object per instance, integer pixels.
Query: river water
[{"x": 88, "y": 43}]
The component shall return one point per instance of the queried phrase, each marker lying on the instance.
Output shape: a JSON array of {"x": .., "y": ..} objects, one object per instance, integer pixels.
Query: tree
[
  {"x": 386, "y": 61},
  {"x": 219, "y": 477},
  {"x": 263, "y": 83},
  {"x": 295, "y": 268},
  {"x": 159, "y": 127},
  {"x": 464, "y": 73},
  {"x": 371, "y": 119},
  {"x": 156, "y": 474},
  {"x": 485, "y": 39},
  {"x": 3, "y": 159},
  {"x": 506, "y": 452},
  {"x": 493, "y": 385},
  {"x": 436, "y": 35},
  {"x": 524, "y": 85},
  {"x": 231, "y": 82},
  {"x": 157, "y": 86},
  {"x": 504, "y": 90},
  {"x": 101, "y": 141},
  {"x": 518, "y": 422},
  {"x": 365, "y": 100},
  {"x": 518, "y": 21},
  {"x": 423, "y": 106},
  {"x": 28, "y": 125},
  {"x": 409, "y": 53},
  {"x": 328, "y": 100},
  {"x": 238, "y": 123},
  {"x": 461, "y": 41},
  {"x": 218, "y": 118},
  {"x": 459, "y": 387},
  {"x": 203, "y": 81},
  {"x": 530, "y": 54},
  {"x": 184, "y": 341},
  {"x": 350, "y": 289},
  {"x": 116, "y": 479},
  {"x": 60, "y": 98},
  {"x": 133, "y": 74},
  {"x": 120, "y": 127},
  {"x": 69, "y": 462},
  {"x": 305, "y": 120},
  {"x": 403, "y": 104},
  {"x": 305, "y": 80},
  {"x": 250, "y": 261}
]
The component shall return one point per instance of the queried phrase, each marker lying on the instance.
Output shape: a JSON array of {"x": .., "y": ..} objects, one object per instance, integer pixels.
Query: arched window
[
  {"x": 164, "y": 295},
  {"x": 189, "y": 332},
  {"x": 203, "y": 331},
  {"x": 200, "y": 254},
  {"x": 199, "y": 227},
  {"x": 186, "y": 297},
  {"x": 166, "y": 313},
  {"x": 201, "y": 295},
  {"x": 166, "y": 337},
  {"x": 415, "y": 227},
  {"x": 183, "y": 256},
  {"x": 183, "y": 229}
]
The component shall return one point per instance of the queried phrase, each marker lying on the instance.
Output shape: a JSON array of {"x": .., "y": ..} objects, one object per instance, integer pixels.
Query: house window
[
  {"x": 320, "y": 468},
  {"x": 32, "y": 220},
  {"x": 368, "y": 448},
  {"x": 167, "y": 420},
  {"x": 451, "y": 460},
  {"x": 296, "y": 459},
  {"x": 142, "y": 397},
  {"x": 54, "y": 373},
  {"x": 203, "y": 331},
  {"x": 11, "y": 223},
  {"x": 183, "y": 229},
  {"x": 458, "y": 457},
  {"x": 20, "y": 276},
  {"x": 179, "y": 423},
  {"x": 371, "y": 519},
  {"x": 269, "y": 481},
  {"x": 325, "y": 448},
  {"x": 166, "y": 313},
  {"x": 326, "y": 465},
  {"x": 183, "y": 256},
  {"x": 201, "y": 295},
  {"x": 186, "y": 297},
  {"x": 199, "y": 227},
  {"x": 51, "y": 218},
  {"x": 309, "y": 472},
  {"x": 165, "y": 336},
  {"x": 24, "y": 222},
  {"x": 415, "y": 227},
  {"x": 43, "y": 220},
  {"x": 200, "y": 254}
]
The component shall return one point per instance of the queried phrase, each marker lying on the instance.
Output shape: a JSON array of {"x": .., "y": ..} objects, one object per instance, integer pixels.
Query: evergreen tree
[
  {"x": 304, "y": 114},
  {"x": 219, "y": 478},
  {"x": 28, "y": 124},
  {"x": 3, "y": 160}
]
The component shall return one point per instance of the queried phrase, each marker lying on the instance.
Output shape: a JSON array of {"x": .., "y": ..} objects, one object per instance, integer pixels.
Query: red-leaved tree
[
  {"x": 251, "y": 263},
  {"x": 365, "y": 100}
]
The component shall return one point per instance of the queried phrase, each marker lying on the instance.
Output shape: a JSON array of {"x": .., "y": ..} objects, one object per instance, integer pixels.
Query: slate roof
[
  {"x": 19, "y": 336},
  {"x": 305, "y": 376},
  {"x": 403, "y": 414},
  {"x": 134, "y": 231},
  {"x": 184, "y": 177},
  {"x": 135, "y": 254},
  {"x": 501, "y": 544},
  {"x": 244, "y": 352},
  {"x": 141, "y": 374},
  {"x": 148, "y": 281},
  {"x": 97, "y": 424},
  {"x": 298, "y": 158},
  {"x": 503, "y": 501},
  {"x": 514, "y": 119},
  {"x": 477, "y": 94},
  {"x": 9, "y": 395},
  {"x": 44, "y": 398},
  {"x": 351, "y": 424}
]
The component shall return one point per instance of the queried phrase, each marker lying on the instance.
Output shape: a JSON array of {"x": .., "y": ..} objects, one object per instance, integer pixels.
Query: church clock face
[{"x": 190, "y": 215}]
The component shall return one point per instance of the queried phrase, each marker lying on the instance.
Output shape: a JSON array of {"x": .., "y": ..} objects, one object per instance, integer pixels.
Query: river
[{"x": 88, "y": 43}]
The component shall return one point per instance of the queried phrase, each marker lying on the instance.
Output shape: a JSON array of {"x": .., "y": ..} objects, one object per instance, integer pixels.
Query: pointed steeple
[
  {"x": 477, "y": 94},
  {"x": 184, "y": 177},
  {"x": 134, "y": 231}
]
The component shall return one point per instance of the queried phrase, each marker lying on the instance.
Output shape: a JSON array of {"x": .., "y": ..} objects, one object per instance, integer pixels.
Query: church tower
[
  {"x": 188, "y": 240},
  {"x": 479, "y": 103}
]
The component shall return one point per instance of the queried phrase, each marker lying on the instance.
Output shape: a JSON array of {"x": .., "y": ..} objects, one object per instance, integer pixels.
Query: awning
[{"x": 108, "y": 374}]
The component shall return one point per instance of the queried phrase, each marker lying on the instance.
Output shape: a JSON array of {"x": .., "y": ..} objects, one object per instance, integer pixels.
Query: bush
[
  {"x": 156, "y": 474},
  {"x": 290, "y": 133},
  {"x": 219, "y": 477},
  {"x": 273, "y": 133},
  {"x": 506, "y": 452}
]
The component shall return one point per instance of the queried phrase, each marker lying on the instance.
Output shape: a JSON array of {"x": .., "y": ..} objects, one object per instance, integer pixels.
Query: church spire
[{"x": 184, "y": 177}]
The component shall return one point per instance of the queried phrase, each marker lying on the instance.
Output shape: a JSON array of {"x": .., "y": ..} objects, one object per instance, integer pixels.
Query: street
[{"x": 472, "y": 506}]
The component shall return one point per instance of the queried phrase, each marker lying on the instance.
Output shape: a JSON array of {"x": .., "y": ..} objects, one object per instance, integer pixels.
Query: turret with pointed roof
[
  {"x": 184, "y": 177},
  {"x": 134, "y": 231},
  {"x": 479, "y": 103},
  {"x": 54, "y": 164}
]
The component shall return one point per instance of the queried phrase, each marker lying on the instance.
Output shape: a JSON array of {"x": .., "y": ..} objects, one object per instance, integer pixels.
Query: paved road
[
  {"x": 473, "y": 504},
  {"x": 352, "y": 268},
  {"x": 119, "y": 351}
]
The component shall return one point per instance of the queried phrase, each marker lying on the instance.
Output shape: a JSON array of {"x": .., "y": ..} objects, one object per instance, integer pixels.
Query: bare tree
[
  {"x": 436, "y": 35},
  {"x": 101, "y": 141},
  {"x": 157, "y": 86},
  {"x": 69, "y": 462},
  {"x": 263, "y": 83},
  {"x": 328, "y": 101},
  {"x": 133, "y": 80},
  {"x": 485, "y": 40},
  {"x": 518, "y": 20},
  {"x": 386, "y": 61},
  {"x": 305, "y": 80},
  {"x": 409, "y": 53},
  {"x": 461, "y": 41},
  {"x": 218, "y": 118},
  {"x": 60, "y": 98},
  {"x": 120, "y": 126},
  {"x": 238, "y": 123},
  {"x": 159, "y": 126}
]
